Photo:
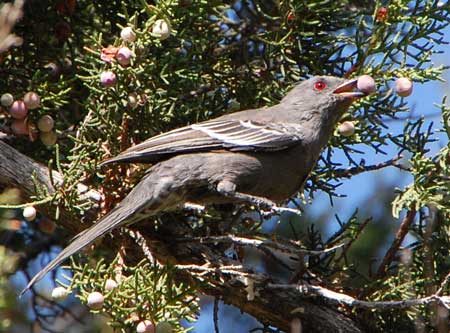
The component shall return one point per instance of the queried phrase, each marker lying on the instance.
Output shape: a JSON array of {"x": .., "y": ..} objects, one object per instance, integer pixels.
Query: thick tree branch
[
  {"x": 340, "y": 298},
  {"x": 353, "y": 171},
  {"x": 17, "y": 170}
]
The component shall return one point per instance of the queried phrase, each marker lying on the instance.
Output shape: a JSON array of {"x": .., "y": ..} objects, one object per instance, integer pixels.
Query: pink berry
[
  {"x": 124, "y": 55},
  {"x": 45, "y": 123},
  {"x": 110, "y": 284},
  {"x": 366, "y": 84},
  {"x": 403, "y": 87},
  {"x": 108, "y": 78},
  {"x": 18, "y": 110},
  {"x": 95, "y": 300},
  {"x": 19, "y": 127},
  {"x": 145, "y": 326},
  {"x": 347, "y": 128},
  {"x": 127, "y": 34},
  {"x": 32, "y": 100}
]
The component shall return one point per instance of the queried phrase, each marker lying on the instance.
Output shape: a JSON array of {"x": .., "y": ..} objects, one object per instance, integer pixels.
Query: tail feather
[
  {"x": 144, "y": 200},
  {"x": 135, "y": 158},
  {"x": 117, "y": 217},
  {"x": 116, "y": 159}
]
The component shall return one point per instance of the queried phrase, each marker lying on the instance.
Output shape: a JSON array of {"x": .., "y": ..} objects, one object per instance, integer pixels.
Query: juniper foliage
[{"x": 220, "y": 57}]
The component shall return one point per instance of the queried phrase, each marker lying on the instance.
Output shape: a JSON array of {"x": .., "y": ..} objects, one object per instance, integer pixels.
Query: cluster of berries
[
  {"x": 123, "y": 55},
  {"x": 96, "y": 300},
  {"x": 403, "y": 88},
  {"x": 18, "y": 111}
]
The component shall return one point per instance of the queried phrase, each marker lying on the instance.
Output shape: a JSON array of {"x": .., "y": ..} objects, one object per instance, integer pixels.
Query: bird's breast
[
  {"x": 282, "y": 174},
  {"x": 273, "y": 175}
]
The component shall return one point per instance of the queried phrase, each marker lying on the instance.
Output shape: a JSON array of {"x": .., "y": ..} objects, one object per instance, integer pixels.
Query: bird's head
[
  {"x": 331, "y": 90},
  {"x": 323, "y": 98}
]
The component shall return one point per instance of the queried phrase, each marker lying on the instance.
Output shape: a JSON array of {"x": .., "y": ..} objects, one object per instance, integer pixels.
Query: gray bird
[{"x": 260, "y": 156}]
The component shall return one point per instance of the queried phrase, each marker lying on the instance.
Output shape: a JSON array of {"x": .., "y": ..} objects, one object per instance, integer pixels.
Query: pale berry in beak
[{"x": 366, "y": 84}]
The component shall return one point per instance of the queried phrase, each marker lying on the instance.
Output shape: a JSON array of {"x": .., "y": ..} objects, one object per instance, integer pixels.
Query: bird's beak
[{"x": 349, "y": 90}]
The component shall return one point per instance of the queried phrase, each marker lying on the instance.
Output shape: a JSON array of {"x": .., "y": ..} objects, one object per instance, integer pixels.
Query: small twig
[
  {"x": 340, "y": 298},
  {"x": 358, "y": 232},
  {"x": 278, "y": 210},
  {"x": 273, "y": 210},
  {"x": 443, "y": 284},
  {"x": 237, "y": 270},
  {"x": 140, "y": 240},
  {"x": 216, "y": 315},
  {"x": 118, "y": 267},
  {"x": 399, "y": 237},
  {"x": 28, "y": 204},
  {"x": 283, "y": 254},
  {"x": 200, "y": 268},
  {"x": 257, "y": 243},
  {"x": 349, "y": 172}
]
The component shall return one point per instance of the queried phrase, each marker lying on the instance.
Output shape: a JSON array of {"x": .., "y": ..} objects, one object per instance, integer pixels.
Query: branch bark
[
  {"x": 399, "y": 237},
  {"x": 276, "y": 307},
  {"x": 16, "y": 170}
]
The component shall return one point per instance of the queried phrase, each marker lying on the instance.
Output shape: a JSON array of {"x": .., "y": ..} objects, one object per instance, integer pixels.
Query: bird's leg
[
  {"x": 228, "y": 189},
  {"x": 199, "y": 209}
]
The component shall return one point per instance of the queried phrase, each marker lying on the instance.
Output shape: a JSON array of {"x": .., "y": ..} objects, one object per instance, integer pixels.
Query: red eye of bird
[{"x": 320, "y": 85}]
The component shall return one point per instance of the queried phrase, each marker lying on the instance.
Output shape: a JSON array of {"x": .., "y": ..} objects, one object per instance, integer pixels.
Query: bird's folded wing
[{"x": 235, "y": 135}]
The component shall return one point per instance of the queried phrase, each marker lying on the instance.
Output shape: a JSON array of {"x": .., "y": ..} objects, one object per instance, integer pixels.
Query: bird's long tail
[
  {"x": 114, "y": 219},
  {"x": 140, "y": 203}
]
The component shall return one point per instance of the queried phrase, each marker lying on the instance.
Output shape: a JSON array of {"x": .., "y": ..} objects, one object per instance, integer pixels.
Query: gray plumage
[{"x": 262, "y": 154}]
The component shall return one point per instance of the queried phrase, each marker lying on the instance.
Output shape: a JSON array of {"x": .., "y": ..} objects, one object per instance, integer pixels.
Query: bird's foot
[
  {"x": 278, "y": 210},
  {"x": 228, "y": 189}
]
